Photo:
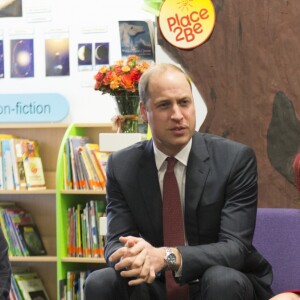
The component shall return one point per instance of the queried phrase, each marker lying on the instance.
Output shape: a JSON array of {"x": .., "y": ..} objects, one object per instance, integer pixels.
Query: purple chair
[{"x": 277, "y": 238}]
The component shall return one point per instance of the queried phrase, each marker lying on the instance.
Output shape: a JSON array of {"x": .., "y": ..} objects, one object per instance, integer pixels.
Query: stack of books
[
  {"x": 84, "y": 238},
  {"x": 21, "y": 166},
  {"x": 27, "y": 285},
  {"x": 71, "y": 288},
  {"x": 20, "y": 231},
  {"x": 84, "y": 164}
]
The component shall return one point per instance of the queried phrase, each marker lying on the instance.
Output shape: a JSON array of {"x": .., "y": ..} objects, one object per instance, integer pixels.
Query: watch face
[{"x": 172, "y": 259}]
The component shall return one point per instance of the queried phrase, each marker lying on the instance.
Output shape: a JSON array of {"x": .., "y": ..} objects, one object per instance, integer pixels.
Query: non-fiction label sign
[
  {"x": 27, "y": 108},
  {"x": 186, "y": 24}
]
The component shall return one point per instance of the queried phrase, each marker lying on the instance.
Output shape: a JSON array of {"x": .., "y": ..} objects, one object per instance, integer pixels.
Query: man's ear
[{"x": 143, "y": 112}]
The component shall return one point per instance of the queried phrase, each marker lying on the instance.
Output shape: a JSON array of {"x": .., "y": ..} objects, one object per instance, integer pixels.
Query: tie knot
[{"x": 171, "y": 163}]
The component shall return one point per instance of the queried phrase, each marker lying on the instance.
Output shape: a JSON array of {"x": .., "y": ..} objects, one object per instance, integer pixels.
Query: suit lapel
[
  {"x": 148, "y": 181},
  {"x": 196, "y": 175}
]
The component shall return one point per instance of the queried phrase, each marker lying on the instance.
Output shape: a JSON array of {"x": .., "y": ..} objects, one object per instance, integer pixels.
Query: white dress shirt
[{"x": 179, "y": 169}]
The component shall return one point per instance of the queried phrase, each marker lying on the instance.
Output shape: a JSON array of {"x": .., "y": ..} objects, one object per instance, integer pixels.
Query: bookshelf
[
  {"x": 40, "y": 203},
  {"x": 48, "y": 206},
  {"x": 67, "y": 198}
]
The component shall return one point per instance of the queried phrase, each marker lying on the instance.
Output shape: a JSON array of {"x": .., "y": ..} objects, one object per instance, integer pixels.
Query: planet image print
[
  {"x": 101, "y": 53},
  {"x": 84, "y": 54},
  {"x": 22, "y": 58}
]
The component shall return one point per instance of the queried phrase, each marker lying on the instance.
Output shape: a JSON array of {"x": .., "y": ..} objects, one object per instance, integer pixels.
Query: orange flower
[
  {"x": 122, "y": 77},
  {"x": 127, "y": 82}
]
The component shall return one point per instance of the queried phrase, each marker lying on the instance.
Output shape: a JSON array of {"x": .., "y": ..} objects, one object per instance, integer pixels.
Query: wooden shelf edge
[
  {"x": 43, "y": 259},
  {"x": 87, "y": 260},
  {"x": 93, "y": 125},
  {"x": 83, "y": 192},
  {"x": 28, "y": 192}
]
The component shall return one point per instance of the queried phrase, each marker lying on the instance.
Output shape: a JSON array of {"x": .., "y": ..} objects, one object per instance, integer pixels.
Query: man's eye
[
  {"x": 184, "y": 102},
  {"x": 163, "y": 105}
]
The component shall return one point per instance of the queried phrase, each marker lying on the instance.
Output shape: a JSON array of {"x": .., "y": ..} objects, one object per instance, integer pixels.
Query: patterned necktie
[{"x": 173, "y": 227}]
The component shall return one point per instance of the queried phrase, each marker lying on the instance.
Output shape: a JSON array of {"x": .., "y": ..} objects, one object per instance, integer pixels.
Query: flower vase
[{"x": 128, "y": 106}]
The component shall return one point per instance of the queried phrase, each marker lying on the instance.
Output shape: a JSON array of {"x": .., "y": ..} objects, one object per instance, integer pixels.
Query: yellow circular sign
[{"x": 187, "y": 24}]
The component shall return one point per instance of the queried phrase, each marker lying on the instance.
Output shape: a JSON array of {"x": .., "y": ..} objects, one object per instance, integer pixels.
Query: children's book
[
  {"x": 137, "y": 38},
  {"x": 17, "y": 163},
  {"x": 7, "y": 167},
  {"x": 89, "y": 148},
  {"x": 31, "y": 286},
  {"x": 33, "y": 166},
  {"x": 32, "y": 239},
  {"x": 2, "y": 137},
  {"x": 77, "y": 171},
  {"x": 23, "y": 235}
]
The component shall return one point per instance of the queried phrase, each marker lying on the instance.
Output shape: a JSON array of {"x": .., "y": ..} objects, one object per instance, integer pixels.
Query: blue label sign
[{"x": 33, "y": 108}]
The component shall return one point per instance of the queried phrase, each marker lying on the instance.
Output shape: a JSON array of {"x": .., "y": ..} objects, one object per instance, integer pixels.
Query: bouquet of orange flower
[{"x": 122, "y": 77}]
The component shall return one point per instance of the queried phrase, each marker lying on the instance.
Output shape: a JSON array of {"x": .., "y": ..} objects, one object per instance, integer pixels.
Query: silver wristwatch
[{"x": 170, "y": 259}]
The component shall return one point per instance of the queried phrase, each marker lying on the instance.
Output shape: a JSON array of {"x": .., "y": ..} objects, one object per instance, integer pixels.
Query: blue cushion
[{"x": 277, "y": 238}]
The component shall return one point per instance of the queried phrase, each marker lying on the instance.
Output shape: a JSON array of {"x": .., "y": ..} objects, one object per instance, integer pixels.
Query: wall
[
  {"x": 249, "y": 75},
  {"x": 90, "y": 21}
]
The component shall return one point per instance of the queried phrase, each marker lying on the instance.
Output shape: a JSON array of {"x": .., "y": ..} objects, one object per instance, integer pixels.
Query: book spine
[
  {"x": 87, "y": 218},
  {"x": 11, "y": 232},
  {"x": 78, "y": 231},
  {"x": 83, "y": 235},
  {"x": 96, "y": 252},
  {"x": 69, "y": 176}
]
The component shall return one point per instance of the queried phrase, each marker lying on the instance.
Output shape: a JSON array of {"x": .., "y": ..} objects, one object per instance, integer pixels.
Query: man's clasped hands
[{"x": 138, "y": 259}]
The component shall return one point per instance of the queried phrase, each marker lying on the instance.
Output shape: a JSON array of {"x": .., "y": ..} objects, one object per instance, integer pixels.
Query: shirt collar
[{"x": 181, "y": 156}]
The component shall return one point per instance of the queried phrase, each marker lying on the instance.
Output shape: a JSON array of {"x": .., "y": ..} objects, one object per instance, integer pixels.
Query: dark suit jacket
[{"x": 220, "y": 206}]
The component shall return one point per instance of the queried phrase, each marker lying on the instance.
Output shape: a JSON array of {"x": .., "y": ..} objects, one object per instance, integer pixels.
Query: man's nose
[{"x": 176, "y": 114}]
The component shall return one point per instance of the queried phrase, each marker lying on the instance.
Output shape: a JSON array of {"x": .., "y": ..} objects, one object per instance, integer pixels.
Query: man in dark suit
[{"x": 217, "y": 181}]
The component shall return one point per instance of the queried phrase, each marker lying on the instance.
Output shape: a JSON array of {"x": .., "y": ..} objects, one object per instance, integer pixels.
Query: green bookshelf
[{"x": 68, "y": 198}]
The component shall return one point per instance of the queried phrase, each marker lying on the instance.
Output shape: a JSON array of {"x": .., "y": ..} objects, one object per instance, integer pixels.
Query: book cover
[
  {"x": 83, "y": 171},
  {"x": 15, "y": 242},
  {"x": 137, "y": 38},
  {"x": 15, "y": 293},
  {"x": 7, "y": 167},
  {"x": 32, "y": 239},
  {"x": 23, "y": 232},
  {"x": 5, "y": 229},
  {"x": 90, "y": 148},
  {"x": 74, "y": 143},
  {"x": 31, "y": 286},
  {"x": 95, "y": 182},
  {"x": 33, "y": 166},
  {"x": 101, "y": 161},
  {"x": 17, "y": 162},
  {"x": 34, "y": 173},
  {"x": 2, "y": 137}
]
